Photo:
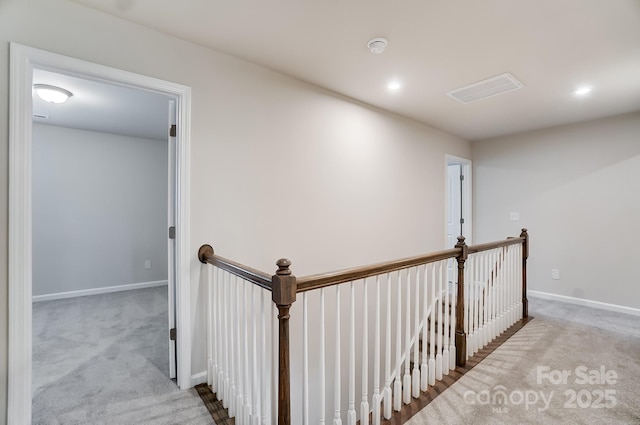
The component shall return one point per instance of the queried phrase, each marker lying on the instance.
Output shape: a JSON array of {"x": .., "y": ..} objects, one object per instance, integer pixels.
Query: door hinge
[
  {"x": 172, "y": 130},
  {"x": 461, "y": 220},
  {"x": 172, "y": 334},
  {"x": 461, "y": 176},
  {"x": 172, "y": 232}
]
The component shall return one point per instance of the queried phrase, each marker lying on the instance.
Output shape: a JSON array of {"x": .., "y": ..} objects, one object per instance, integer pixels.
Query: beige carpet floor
[{"x": 570, "y": 365}]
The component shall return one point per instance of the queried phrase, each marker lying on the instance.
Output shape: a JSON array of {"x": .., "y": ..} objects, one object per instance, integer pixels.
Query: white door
[
  {"x": 454, "y": 218},
  {"x": 171, "y": 252},
  {"x": 454, "y": 214}
]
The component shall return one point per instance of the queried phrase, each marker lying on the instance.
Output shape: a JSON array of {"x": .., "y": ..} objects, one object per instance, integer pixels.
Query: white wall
[
  {"x": 279, "y": 168},
  {"x": 576, "y": 189},
  {"x": 99, "y": 210}
]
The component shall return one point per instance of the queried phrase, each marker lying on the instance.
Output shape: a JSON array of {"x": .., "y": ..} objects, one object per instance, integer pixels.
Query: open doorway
[
  {"x": 99, "y": 181},
  {"x": 23, "y": 62}
]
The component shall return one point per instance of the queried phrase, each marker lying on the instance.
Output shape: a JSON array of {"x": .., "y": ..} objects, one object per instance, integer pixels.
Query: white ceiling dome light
[
  {"x": 377, "y": 45},
  {"x": 52, "y": 94}
]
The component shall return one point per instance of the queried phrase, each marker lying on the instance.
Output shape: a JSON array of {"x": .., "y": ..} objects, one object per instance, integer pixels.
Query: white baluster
[
  {"x": 487, "y": 309},
  {"x": 247, "y": 365},
  {"x": 227, "y": 345},
  {"x": 240, "y": 364},
  {"x": 220, "y": 325},
  {"x": 415, "y": 377},
  {"x": 442, "y": 270},
  {"x": 264, "y": 384},
  {"x": 503, "y": 297},
  {"x": 323, "y": 406},
  {"x": 274, "y": 365},
  {"x": 478, "y": 284},
  {"x": 210, "y": 334},
  {"x": 215, "y": 302},
  {"x": 364, "y": 404},
  {"x": 452, "y": 328},
  {"x": 406, "y": 383},
  {"x": 494, "y": 299},
  {"x": 376, "y": 400},
  {"x": 514, "y": 284},
  {"x": 233, "y": 322},
  {"x": 424, "y": 371},
  {"x": 386, "y": 393},
  {"x": 255, "y": 383},
  {"x": 468, "y": 275},
  {"x": 474, "y": 308},
  {"x": 397, "y": 384},
  {"x": 445, "y": 347},
  {"x": 337, "y": 373},
  {"x": 351, "y": 412},
  {"x": 305, "y": 362},
  {"x": 517, "y": 298},
  {"x": 521, "y": 295},
  {"x": 432, "y": 327},
  {"x": 474, "y": 303}
]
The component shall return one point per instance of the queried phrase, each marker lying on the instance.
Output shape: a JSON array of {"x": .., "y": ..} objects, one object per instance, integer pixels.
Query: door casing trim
[{"x": 23, "y": 60}]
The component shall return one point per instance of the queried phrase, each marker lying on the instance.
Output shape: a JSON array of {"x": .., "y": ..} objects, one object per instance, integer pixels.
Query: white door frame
[
  {"x": 467, "y": 199},
  {"x": 23, "y": 60}
]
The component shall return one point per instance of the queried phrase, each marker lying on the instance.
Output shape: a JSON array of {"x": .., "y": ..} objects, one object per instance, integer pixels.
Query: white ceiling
[
  {"x": 435, "y": 46},
  {"x": 103, "y": 107}
]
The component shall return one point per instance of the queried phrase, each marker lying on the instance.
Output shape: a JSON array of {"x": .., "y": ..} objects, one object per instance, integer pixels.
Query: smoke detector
[{"x": 377, "y": 45}]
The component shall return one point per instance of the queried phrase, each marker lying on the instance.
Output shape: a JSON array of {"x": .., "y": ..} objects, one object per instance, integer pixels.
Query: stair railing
[{"x": 249, "y": 365}]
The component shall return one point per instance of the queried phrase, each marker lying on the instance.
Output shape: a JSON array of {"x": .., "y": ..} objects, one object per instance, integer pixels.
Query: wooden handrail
[
  {"x": 206, "y": 255},
  {"x": 492, "y": 245},
  {"x": 317, "y": 281}
]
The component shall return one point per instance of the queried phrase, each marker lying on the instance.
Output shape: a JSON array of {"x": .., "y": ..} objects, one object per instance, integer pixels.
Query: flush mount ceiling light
[
  {"x": 52, "y": 94},
  {"x": 377, "y": 45}
]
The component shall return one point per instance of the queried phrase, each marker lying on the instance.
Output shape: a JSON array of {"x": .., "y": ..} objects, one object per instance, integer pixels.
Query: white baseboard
[
  {"x": 95, "y": 291},
  {"x": 199, "y": 378},
  {"x": 584, "y": 302}
]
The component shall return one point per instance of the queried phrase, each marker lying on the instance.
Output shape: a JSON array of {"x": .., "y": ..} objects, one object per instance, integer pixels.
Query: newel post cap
[
  {"x": 283, "y": 284},
  {"x": 464, "y": 249}
]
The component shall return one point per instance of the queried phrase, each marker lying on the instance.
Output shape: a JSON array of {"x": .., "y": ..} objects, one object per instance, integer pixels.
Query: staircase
[{"x": 355, "y": 345}]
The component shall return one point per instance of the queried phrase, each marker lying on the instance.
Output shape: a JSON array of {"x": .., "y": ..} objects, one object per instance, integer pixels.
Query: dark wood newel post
[
  {"x": 284, "y": 287},
  {"x": 525, "y": 256},
  {"x": 461, "y": 338}
]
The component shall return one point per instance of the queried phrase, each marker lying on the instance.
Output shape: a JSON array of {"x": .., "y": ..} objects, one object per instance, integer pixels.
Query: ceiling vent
[{"x": 486, "y": 88}]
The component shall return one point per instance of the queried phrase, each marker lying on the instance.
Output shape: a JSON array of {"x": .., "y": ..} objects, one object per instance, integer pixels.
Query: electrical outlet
[
  {"x": 555, "y": 274},
  {"x": 147, "y": 264}
]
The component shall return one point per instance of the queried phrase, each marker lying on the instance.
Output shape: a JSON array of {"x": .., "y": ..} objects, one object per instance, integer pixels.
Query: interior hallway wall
[
  {"x": 99, "y": 210},
  {"x": 279, "y": 168},
  {"x": 576, "y": 189}
]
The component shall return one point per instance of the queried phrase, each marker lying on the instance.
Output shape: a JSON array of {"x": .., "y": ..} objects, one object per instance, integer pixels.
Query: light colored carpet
[
  {"x": 562, "y": 337},
  {"x": 103, "y": 359}
]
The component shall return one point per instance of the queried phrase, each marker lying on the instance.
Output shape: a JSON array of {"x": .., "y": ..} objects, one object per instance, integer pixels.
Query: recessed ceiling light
[
  {"x": 583, "y": 90},
  {"x": 52, "y": 94},
  {"x": 394, "y": 85}
]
